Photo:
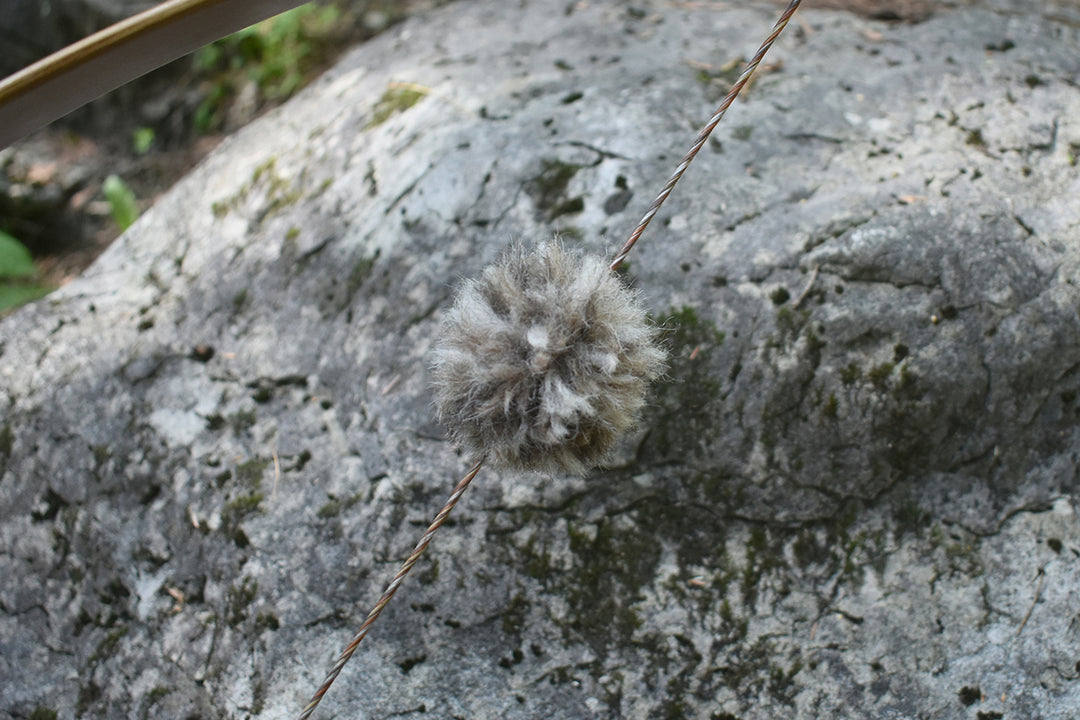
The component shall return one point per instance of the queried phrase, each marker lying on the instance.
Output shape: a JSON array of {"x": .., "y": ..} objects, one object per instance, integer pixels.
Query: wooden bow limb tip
[{"x": 91, "y": 67}]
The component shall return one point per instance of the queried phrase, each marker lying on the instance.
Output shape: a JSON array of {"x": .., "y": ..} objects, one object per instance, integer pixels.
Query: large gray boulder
[{"x": 853, "y": 496}]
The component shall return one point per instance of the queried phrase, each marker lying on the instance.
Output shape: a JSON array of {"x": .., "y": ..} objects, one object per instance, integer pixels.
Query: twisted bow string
[{"x": 702, "y": 137}]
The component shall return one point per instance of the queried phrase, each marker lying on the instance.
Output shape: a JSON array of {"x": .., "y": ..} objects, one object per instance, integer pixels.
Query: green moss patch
[
  {"x": 397, "y": 99},
  {"x": 687, "y": 403},
  {"x": 238, "y": 600},
  {"x": 613, "y": 561},
  {"x": 549, "y": 190},
  {"x": 250, "y": 473},
  {"x": 280, "y": 192}
]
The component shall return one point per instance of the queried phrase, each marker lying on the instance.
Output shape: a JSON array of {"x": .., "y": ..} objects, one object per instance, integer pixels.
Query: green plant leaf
[
  {"x": 15, "y": 259},
  {"x": 15, "y": 294},
  {"x": 122, "y": 203},
  {"x": 142, "y": 139}
]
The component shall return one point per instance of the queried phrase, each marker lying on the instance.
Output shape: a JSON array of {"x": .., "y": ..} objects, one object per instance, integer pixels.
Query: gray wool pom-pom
[{"x": 544, "y": 360}]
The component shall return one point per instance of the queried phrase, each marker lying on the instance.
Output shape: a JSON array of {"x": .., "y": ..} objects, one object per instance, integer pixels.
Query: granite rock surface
[{"x": 853, "y": 496}]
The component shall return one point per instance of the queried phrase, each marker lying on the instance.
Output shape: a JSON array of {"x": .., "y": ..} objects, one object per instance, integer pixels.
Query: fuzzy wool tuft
[{"x": 544, "y": 360}]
